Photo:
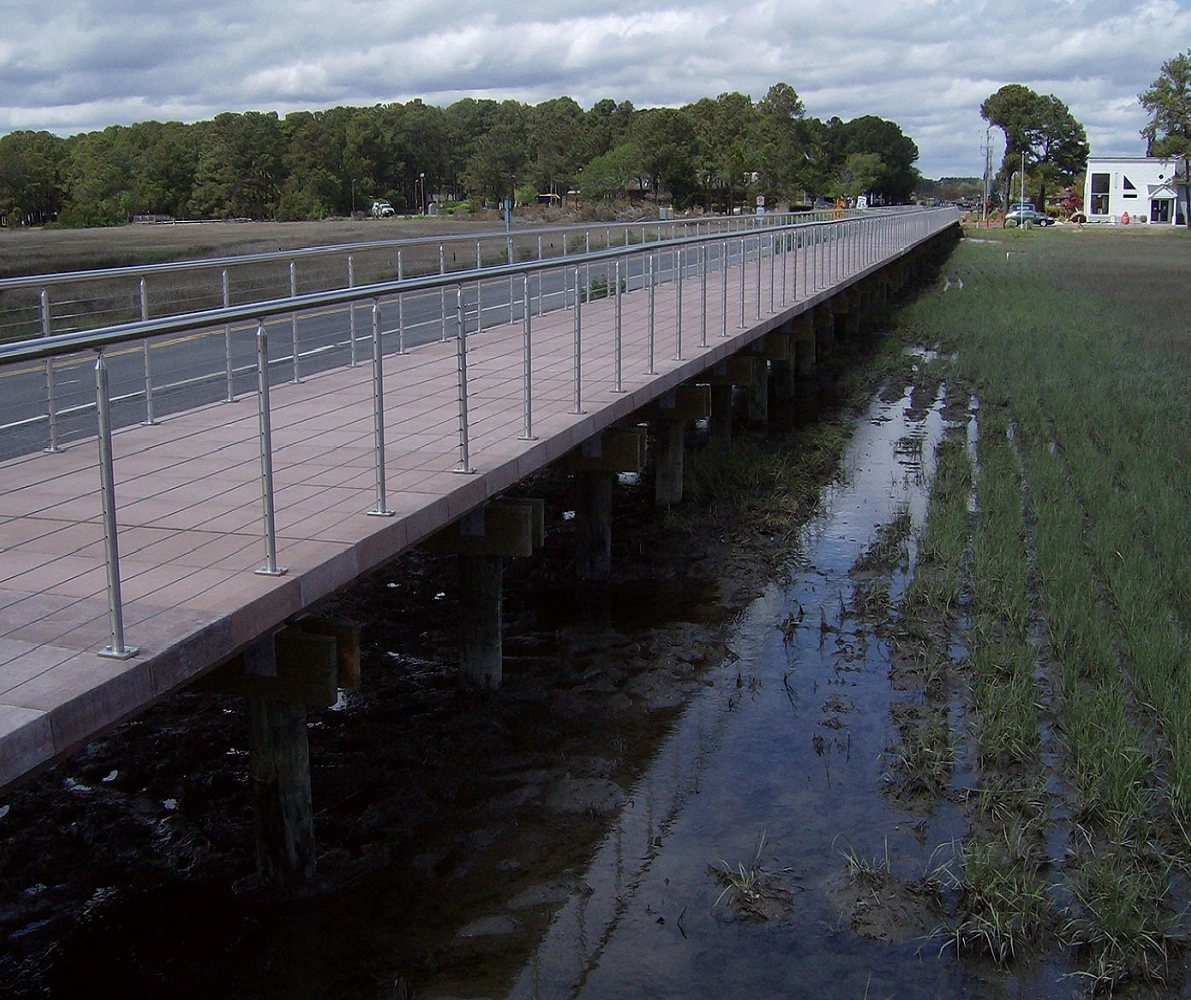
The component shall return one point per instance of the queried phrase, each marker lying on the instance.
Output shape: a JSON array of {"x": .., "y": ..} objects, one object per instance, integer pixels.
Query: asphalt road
[{"x": 192, "y": 370}]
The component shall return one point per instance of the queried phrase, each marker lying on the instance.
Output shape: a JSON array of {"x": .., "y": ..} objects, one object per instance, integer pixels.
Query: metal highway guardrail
[{"x": 219, "y": 354}]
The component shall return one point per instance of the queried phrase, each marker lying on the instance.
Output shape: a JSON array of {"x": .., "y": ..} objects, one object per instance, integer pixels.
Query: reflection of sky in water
[{"x": 644, "y": 924}]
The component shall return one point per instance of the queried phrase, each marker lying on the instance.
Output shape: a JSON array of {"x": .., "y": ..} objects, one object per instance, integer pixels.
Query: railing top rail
[
  {"x": 40, "y": 348},
  {"x": 202, "y": 263}
]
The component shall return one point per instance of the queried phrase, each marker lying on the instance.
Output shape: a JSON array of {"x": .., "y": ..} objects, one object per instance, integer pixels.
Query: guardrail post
[
  {"x": 293, "y": 319},
  {"x": 266, "y": 443},
  {"x": 464, "y": 465},
  {"x": 578, "y": 348},
  {"x": 378, "y": 413},
  {"x": 51, "y": 394},
  {"x": 351, "y": 309},
  {"x": 117, "y": 650},
  {"x": 527, "y": 361},
  {"x": 148, "y": 421},
  {"x": 227, "y": 341}
]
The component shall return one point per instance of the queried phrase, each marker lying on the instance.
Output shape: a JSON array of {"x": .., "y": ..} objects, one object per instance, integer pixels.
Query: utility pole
[{"x": 987, "y": 150}]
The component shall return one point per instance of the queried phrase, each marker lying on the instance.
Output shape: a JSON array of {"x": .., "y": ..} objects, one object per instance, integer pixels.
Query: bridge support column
[
  {"x": 668, "y": 414},
  {"x": 804, "y": 345},
  {"x": 722, "y": 379},
  {"x": 781, "y": 374},
  {"x": 593, "y": 525},
  {"x": 482, "y": 539},
  {"x": 824, "y": 330},
  {"x": 669, "y": 436},
  {"x": 596, "y": 464},
  {"x": 844, "y": 317},
  {"x": 481, "y": 590},
  {"x": 721, "y": 413},
  {"x": 304, "y": 664},
  {"x": 758, "y": 393},
  {"x": 279, "y": 784}
]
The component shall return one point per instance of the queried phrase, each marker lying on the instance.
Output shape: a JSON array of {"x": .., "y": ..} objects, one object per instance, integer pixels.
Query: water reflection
[{"x": 789, "y": 752}]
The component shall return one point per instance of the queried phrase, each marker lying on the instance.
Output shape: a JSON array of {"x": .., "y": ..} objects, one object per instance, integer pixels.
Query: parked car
[
  {"x": 381, "y": 209},
  {"x": 1021, "y": 214}
]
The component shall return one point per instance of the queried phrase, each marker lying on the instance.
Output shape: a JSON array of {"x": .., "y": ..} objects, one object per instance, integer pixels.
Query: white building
[{"x": 1135, "y": 189}]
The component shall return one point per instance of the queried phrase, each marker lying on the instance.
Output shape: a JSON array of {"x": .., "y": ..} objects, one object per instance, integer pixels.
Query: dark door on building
[{"x": 1160, "y": 210}]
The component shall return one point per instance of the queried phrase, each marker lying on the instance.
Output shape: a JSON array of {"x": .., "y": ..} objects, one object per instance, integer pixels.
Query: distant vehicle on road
[
  {"x": 1023, "y": 212},
  {"x": 381, "y": 209}
]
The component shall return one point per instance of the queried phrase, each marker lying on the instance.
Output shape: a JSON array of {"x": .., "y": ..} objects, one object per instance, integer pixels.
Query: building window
[
  {"x": 1130, "y": 190},
  {"x": 1099, "y": 204}
]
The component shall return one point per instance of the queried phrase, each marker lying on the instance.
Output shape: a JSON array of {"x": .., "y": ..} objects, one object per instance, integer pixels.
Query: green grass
[{"x": 1079, "y": 577}]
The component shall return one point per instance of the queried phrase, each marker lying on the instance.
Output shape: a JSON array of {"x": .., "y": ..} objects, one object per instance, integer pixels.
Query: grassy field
[
  {"x": 49, "y": 251},
  {"x": 1058, "y": 552}
]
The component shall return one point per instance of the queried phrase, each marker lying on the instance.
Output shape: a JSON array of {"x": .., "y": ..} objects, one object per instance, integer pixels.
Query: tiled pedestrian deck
[{"x": 190, "y": 512}]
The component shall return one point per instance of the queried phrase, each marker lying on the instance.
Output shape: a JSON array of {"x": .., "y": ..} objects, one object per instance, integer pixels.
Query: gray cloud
[{"x": 77, "y": 65}]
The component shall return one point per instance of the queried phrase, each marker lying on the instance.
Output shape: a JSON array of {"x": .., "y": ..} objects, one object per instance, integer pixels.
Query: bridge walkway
[{"x": 189, "y": 489}]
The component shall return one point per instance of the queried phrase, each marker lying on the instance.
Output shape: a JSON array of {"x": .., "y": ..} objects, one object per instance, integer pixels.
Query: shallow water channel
[
  {"x": 716, "y": 863},
  {"x": 781, "y": 782}
]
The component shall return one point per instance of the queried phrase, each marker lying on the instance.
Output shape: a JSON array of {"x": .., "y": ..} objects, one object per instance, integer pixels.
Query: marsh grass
[
  {"x": 1078, "y": 348},
  {"x": 755, "y": 891},
  {"x": 1005, "y": 902}
]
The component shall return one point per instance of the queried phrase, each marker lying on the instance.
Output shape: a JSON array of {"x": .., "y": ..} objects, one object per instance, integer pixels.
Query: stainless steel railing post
[
  {"x": 743, "y": 258},
  {"x": 578, "y": 348},
  {"x": 227, "y": 342},
  {"x": 117, "y": 650},
  {"x": 527, "y": 433},
  {"x": 760, "y": 258},
  {"x": 351, "y": 308},
  {"x": 618, "y": 385},
  {"x": 772, "y": 269},
  {"x": 293, "y": 320},
  {"x": 400, "y": 323},
  {"x": 266, "y": 445},
  {"x": 464, "y": 465},
  {"x": 650, "y": 312},
  {"x": 702, "y": 290},
  {"x": 378, "y": 413},
  {"x": 785, "y": 264},
  {"x": 148, "y": 421},
  {"x": 51, "y": 392},
  {"x": 722, "y": 246},
  {"x": 442, "y": 295},
  {"x": 678, "y": 310}
]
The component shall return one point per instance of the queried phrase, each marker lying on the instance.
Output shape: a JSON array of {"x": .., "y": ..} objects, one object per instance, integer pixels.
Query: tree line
[{"x": 718, "y": 154}]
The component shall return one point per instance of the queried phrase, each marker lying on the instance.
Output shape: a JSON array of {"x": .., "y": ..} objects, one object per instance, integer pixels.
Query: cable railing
[
  {"x": 43, "y": 305},
  {"x": 479, "y": 358}
]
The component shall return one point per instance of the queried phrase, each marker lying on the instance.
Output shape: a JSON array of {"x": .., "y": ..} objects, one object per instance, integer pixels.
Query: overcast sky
[{"x": 69, "y": 66}]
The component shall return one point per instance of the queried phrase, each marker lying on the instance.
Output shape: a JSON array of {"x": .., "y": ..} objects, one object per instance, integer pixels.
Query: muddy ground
[{"x": 130, "y": 867}]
